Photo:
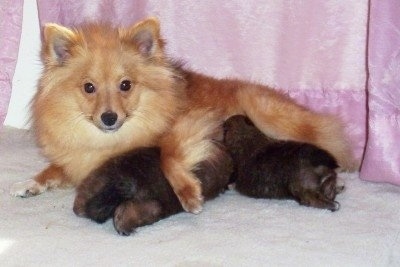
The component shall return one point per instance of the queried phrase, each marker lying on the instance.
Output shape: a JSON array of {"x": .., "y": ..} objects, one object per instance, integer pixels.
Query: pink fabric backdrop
[
  {"x": 317, "y": 57},
  {"x": 10, "y": 31},
  {"x": 382, "y": 154},
  {"x": 314, "y": 50}
]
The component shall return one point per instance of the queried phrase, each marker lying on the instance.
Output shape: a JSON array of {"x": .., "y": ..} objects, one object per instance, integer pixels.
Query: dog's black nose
[{"x": 109, "y": 118}]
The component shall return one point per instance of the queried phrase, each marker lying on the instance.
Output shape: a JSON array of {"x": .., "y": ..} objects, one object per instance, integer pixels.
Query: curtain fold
[
  {"x": 10, "y": 32},
  {"x": 382, "y": 154},
  {"x": 315, "y": 51}
]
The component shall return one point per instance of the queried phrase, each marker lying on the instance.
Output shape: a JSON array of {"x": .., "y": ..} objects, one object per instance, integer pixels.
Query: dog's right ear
[{"x": 57, "y": 44}]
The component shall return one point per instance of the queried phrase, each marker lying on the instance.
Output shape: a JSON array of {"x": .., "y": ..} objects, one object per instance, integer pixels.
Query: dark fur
[
  {"x": 132, "y": 189},
  {"x": 267, "y": 168}
]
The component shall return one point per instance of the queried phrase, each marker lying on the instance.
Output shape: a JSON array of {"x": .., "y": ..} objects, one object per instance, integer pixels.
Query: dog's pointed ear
[
  {"x": 57, "y": 44},
  {"x": 145, "y": 36}
]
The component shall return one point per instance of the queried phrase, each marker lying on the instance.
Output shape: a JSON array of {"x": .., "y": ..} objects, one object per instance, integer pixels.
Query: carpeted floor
[{"x": 231, "y": 231}]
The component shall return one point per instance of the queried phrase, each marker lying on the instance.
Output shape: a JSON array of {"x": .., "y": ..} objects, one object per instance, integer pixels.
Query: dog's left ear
[{"x": 145, "y": 36}]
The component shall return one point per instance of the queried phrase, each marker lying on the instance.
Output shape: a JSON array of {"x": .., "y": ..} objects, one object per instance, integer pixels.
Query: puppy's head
[
  {"x": 104, "y": 80},
  {"x": 316, "y": 187}
]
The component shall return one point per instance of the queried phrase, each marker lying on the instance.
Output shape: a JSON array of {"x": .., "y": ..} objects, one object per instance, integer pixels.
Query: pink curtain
[
  {"x": 316, "y": 57},
  {"x": 382, "y": 154},
  {"x": 319, "y": 52},
  {"x": 10, "y": 31}
]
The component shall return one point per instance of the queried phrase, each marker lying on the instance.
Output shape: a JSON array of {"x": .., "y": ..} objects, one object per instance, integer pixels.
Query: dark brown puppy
[
  {"x": 267, "y": 168},
  {"x": 132, "y": 189}
]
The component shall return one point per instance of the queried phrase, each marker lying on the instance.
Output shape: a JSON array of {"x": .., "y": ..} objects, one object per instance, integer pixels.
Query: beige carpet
[{"x": 231, "y": 231}]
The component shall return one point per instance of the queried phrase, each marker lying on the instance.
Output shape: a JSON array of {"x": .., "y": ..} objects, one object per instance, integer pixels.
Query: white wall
[{"x": 27, "y": 70}]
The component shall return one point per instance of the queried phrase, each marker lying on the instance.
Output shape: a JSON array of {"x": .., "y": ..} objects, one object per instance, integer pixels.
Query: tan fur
[
  {"x": 183, "y": 147},
  {"x": 273, "y": 113},
  {"x": 162, "y": 108},
  {"x": 65, "y": 118}
]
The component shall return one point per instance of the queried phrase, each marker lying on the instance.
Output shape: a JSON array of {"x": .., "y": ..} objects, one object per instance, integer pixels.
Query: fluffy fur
[
  {"x": 267, "y": 168},
  {"x": 132, "y": 189},
  {"x": 84, "y": 113}
]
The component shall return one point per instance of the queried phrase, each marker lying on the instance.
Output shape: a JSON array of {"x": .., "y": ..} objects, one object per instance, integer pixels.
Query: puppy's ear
[
  {"x": 57, "y": 44},
  {"x": 145, "y": 37}
]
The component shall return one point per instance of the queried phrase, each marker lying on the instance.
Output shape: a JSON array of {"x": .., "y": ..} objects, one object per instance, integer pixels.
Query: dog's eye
[
  {"x": 125, "y": 85},
  {"x": 89, "y": 88}
]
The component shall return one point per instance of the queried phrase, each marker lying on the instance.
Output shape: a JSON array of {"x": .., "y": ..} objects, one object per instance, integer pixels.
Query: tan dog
[{"x": 108, "y": 90}]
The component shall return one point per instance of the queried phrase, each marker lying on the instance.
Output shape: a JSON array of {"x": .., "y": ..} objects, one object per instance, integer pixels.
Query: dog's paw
[
  {"x": 191, "y": 199},
  {"x": 27, "y": 188}
]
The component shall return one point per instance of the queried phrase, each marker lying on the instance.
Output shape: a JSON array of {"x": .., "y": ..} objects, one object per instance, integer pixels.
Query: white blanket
[{"x": 231, "y": 231}]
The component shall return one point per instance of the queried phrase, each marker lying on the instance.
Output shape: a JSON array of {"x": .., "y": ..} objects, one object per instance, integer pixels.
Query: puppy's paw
[
  {"x": 191, "y": 198},
  {"x": 79, "y": 205},
  {"x": 334, "y": 206},
  {"x": 129, "y": 215},
  {"x": 340, "y": 185},
  {"x": 126, "y": 218},
  {"x": 318, "y": 200},
  {"x": 27, "y": 188}
]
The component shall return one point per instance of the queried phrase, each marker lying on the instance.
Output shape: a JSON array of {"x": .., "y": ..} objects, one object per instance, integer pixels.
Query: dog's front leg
[
  {"x": 184, "y": 183},
  {"x": 51, "y": 177}
]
